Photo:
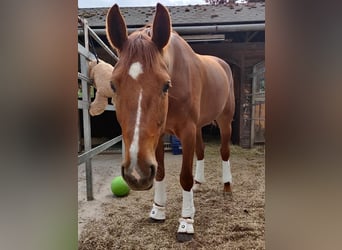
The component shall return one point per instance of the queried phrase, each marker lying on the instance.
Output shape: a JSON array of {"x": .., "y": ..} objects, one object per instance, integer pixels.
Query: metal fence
[{"x": 85, "y": 56}]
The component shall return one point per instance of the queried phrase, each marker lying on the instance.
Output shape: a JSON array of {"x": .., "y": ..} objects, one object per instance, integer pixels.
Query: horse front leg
[
  {"x": 186, "y": 230},
  {"x": 157, "y": 213}
]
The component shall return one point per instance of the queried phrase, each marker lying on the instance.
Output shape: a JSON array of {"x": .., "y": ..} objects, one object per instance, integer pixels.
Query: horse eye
[
  {"x": 112, "y": 86},
  {"x": 166, "y": 86}
]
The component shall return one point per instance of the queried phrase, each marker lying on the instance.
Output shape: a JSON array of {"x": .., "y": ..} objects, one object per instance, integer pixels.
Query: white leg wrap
[
  {"x": 199, "y": 174},
  {"x": 160, "y": 192},
  {"x": 186, "y": 226},
  {"x": 188, "y": 208},
  {"x": 226, "y": 174},
  {"x": 157, "y": 212}
]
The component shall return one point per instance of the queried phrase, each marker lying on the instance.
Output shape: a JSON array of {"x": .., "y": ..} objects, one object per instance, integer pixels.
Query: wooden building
[{"x": 234, "y": 33}]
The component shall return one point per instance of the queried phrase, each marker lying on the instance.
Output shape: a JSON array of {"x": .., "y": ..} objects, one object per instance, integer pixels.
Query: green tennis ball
[{"x": 119, "y": 187}]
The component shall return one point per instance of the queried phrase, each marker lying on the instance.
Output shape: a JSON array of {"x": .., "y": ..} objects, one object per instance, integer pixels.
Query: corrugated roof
[{"x": 182, "y": 15}]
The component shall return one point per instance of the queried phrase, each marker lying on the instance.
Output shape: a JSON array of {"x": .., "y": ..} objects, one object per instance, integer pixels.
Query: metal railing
[{"x": 85, "y": 56}]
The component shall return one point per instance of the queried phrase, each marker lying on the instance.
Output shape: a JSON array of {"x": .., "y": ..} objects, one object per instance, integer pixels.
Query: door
[{"x": 258, "y": 104}]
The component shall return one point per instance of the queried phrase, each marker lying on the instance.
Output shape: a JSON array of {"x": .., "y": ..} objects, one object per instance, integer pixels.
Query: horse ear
[
  {"x": 116, "y": 28},
  {"x": 161, "y": 27}
]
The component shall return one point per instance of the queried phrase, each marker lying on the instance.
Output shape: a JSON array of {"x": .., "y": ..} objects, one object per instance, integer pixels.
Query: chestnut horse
[{"x": 163, "y": 87}]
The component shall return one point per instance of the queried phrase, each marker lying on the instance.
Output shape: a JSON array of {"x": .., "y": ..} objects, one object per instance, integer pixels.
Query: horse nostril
[{"x": 153, "y": 170}]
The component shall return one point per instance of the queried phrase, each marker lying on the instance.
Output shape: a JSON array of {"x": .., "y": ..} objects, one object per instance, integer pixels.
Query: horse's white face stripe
[
  {"x": 135, "y": 70},
  {"x": 136, "y": 174},
  {"x": 134, "y": 148}
]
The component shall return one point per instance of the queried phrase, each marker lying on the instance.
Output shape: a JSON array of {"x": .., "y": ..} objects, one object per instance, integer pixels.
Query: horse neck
[{"x": 178, "y": 51}]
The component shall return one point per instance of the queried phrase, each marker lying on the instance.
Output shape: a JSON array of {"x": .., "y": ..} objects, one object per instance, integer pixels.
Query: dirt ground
[{"x": 221, "y": 222}]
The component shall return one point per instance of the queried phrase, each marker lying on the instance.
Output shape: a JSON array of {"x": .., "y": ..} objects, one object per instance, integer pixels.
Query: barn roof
[{"x": 183, "y": 15}]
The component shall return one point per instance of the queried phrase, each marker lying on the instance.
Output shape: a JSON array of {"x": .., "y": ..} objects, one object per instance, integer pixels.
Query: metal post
[
  {"x": 123, "y": 148},
  {"x": 253, "y": 106},
  {"x": 86, "y": 117}
]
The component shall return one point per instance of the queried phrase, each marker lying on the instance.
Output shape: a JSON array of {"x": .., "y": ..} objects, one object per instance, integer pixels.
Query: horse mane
[{"x": 140, "y": 47}]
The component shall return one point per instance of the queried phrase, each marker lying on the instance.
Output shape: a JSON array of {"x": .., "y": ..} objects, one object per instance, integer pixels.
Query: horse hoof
[
  {"x": 228, "y": 196},
  {"x": 227, "y": 188},
  {"x": 184, "y": 237},
  {"x": 152, "y": 220},
  {"x": 196, "y": 187}
]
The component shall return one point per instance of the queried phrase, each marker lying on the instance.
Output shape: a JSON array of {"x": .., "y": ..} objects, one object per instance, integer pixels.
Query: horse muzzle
[{"x": 137, "y": 179}]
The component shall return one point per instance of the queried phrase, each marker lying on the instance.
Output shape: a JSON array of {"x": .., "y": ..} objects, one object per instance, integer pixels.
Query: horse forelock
[{"x": 141, "y": 48}]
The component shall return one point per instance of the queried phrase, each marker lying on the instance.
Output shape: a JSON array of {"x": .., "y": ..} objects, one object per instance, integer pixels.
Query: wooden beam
[{"x": 250, "y": 36}]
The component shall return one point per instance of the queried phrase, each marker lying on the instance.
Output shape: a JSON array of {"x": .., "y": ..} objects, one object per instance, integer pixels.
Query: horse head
[{"x": 140, "y": 81}]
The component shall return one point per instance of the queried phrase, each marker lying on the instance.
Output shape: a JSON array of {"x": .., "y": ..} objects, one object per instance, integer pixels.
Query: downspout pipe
[
  {"x": 217, "y": 29},
  {"x": 197, "y": 30}
]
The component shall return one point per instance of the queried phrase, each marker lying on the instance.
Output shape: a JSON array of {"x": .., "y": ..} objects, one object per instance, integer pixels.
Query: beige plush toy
[{"x": 100, "y": 73}]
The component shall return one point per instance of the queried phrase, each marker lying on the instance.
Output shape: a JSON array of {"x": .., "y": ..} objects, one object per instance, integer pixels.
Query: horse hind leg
[
  {"x": 199, "y": 170},
  {"x": 225, "y": 131}
]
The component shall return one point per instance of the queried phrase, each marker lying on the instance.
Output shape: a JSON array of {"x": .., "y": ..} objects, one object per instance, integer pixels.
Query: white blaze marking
[
  {"x": 136, "y": 174},
  {"x": 134, "y": 148},
  {"x": 135, "y": 70}
]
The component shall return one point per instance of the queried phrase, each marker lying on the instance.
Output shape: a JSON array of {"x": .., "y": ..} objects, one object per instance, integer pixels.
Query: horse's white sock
[
  {"x": 226, "y": 174},
  {"x": 160, "y": 192},
  {"x": 199, "y": 174},
  {"x": 158, "y": 211},
  {"x": 186, "y": 226},
  {"x": 188, "y": 208}
]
